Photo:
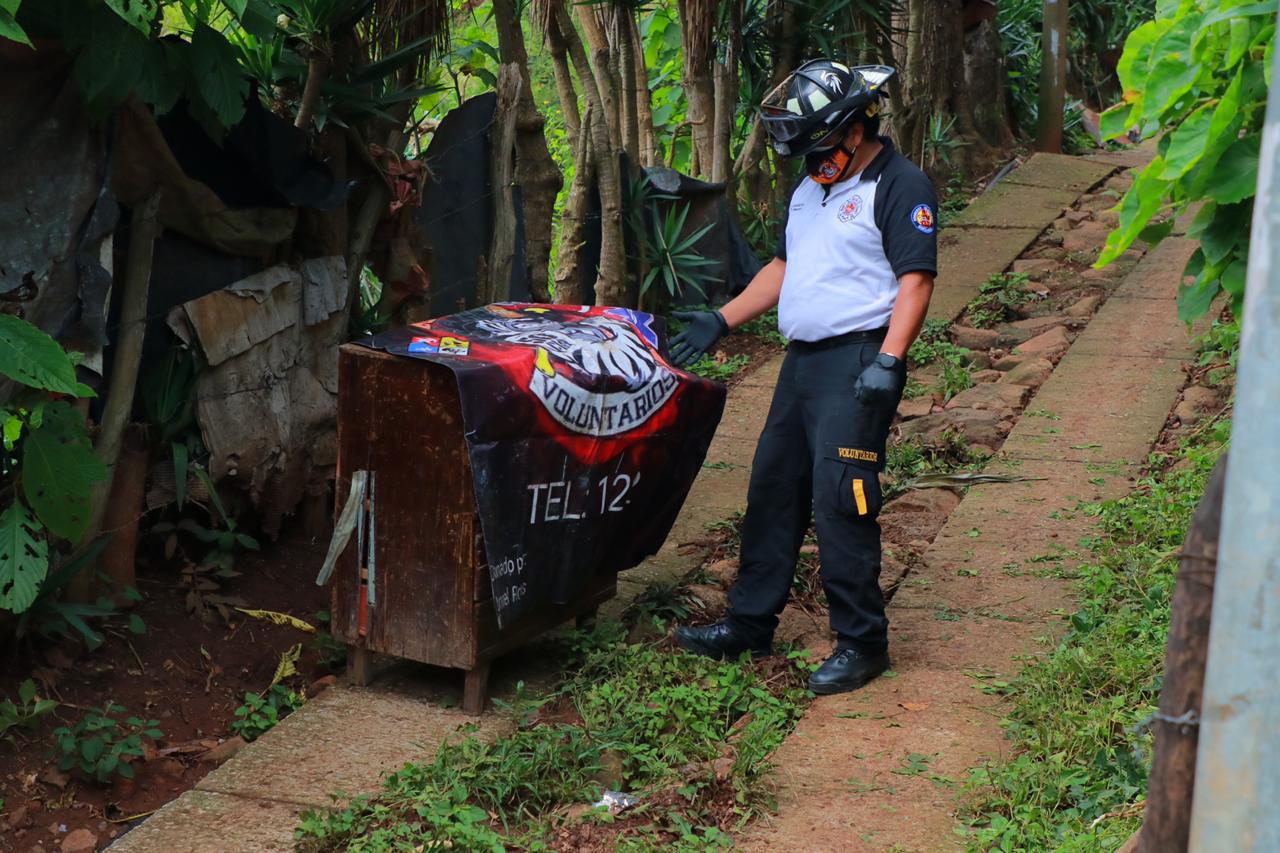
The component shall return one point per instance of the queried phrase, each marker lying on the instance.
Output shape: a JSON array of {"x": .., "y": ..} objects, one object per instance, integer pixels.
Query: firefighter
[{"x": 851, "y": 279}]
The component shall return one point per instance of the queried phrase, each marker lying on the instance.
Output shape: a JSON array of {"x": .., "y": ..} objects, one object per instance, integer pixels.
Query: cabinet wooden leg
[
  {"x": 475, "y": 689},
  {"x": 587, "y": 618},
  {"x": 359, "y": 665}
]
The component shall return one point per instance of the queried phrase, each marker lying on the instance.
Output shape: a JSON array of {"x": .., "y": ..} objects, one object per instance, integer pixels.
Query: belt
[{"x": 867, "y": 336}]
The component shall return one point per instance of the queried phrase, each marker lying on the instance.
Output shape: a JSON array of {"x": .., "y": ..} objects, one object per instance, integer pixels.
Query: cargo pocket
[{"x": 851, "y": 481}]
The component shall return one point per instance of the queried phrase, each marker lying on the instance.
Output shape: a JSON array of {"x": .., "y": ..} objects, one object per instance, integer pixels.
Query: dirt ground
[{"x": 187, "y": 673}]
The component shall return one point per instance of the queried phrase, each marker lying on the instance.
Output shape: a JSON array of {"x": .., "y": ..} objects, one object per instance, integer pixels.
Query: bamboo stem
[{"x": 144, "y": 229}]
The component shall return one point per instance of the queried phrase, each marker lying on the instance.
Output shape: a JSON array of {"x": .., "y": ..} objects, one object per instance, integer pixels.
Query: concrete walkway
[
  {"x": 989, "y": 591},
  {"x": 346, "y": 739}
]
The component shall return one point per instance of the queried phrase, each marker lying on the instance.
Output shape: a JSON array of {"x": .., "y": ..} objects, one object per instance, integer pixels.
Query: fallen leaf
[
  {"x": 913, "y": 706},
  {"x": 287, "y": 665},
  {"x": 279, "y": 619}
]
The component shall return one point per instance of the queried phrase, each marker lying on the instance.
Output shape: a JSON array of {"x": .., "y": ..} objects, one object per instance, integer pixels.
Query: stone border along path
[
  {"x": 985, "y": 594},
  {"x": 347, "y": 738}
]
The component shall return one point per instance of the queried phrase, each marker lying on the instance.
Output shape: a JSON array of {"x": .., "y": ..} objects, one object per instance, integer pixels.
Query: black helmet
[{"x": 817, "y": 98}]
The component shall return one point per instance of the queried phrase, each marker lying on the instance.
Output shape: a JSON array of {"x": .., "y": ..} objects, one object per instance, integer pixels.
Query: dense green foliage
[
  {"x": 1197, "y": 76},
  {"x": 259, "y": 714},
  {"x": 648, "y": 720},
  {"x": 1078, "y": 722},
  {"x": 47, "y": 464},
  {"x": 1097, "y": 29},
  {"x": 100, "y": 745}
]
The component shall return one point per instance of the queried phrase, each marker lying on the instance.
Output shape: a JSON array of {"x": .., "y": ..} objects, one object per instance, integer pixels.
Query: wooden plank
[{"x": 401, "y": 419}]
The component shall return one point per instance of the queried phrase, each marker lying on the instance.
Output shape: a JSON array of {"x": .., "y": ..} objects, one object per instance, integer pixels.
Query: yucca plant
[{"x": 670, "y": 256}]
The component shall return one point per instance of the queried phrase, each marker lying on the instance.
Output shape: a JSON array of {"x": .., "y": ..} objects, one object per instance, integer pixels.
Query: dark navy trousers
[{"x": 820, "y": 453}]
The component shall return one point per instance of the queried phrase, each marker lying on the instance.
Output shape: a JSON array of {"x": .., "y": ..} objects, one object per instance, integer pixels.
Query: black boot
[
  {"x": 847, "y": 669},
  {"x": 722, "y": 640}
]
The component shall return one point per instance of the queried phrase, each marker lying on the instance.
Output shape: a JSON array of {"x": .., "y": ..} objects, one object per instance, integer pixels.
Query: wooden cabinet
[{"x": 401, "y": 419}]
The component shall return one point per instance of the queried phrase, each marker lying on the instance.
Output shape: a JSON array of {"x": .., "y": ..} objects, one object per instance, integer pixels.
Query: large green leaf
[
  {"x": 1196, "y": 298},
  {"x": 1141, "y": 201},
  {"x": 1236, "y": 175},
  {"x": 1134, "y": 62},
  {"x": 9, "y": 28},
  {"x": 139, "y": 14},
  {"x": 1266, "y": 10},
  {"x": 24, "y": 558},
  {"x": 110, "y": 63},
  {"x": 1240, "y": 34},
  {"x": 1115, "y": 121},
  {"x": 218, "y": 78},
  {"x": 33, "y": 358},
  {"x": 59, "y": 469},
  {"x": 1172, "y": 71},
  {"x": 1188, "y": 142},
  {"x": 165, "y": 74},
  {"x": 1221, "y": 228}
]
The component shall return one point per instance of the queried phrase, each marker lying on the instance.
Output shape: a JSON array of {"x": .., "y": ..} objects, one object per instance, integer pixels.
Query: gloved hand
[
  {"x": 704, "y": 330},
  {"x": 880, "y": 383}
]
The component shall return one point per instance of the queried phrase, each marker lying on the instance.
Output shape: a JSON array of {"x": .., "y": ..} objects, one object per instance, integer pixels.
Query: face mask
[{"x": 827, "y": 167}]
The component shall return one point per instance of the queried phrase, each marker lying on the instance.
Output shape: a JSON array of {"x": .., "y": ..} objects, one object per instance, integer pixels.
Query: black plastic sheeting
[{"x": 457, "y": 208}]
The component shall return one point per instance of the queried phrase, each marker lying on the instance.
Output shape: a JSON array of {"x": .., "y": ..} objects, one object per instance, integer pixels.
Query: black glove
[
  {"x": 880, "y": 383},
  {"x": 704, "y": 329}
]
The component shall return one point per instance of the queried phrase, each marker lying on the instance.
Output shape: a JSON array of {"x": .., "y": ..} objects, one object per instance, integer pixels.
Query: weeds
[
  {"x": 259, "y": 714},
  {"x": 99, "y": 745},
  {"x": 719, "y": 369},
  {"x": 1077, "y": 719},
  {"x": 914, "y": 457},
  {"x": 27, "y": 711},
  {"x": 764, "y": 327},
  {"x": 680, "y": 731},
  {"x": 934, "y": 346},
  {"x": 998, "y": 300}
]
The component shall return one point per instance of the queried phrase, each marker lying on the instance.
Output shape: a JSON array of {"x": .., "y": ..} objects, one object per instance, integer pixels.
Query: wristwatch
[{"x": 888, "y": 361}]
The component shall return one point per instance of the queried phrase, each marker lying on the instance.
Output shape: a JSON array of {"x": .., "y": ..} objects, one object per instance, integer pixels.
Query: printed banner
[{"x": 583, "y": 440}]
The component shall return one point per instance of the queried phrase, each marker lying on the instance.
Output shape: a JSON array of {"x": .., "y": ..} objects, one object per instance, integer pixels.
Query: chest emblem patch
[
  {"x": 850, "y": 209},
  {"x": 922, "y": 218}
]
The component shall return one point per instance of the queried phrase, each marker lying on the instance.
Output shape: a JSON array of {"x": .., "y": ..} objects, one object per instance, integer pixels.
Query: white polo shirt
[{"x": 847, "y": 244}]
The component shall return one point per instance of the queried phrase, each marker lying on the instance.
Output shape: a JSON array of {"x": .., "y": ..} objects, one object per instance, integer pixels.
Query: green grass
[
  {"x": 1081, "y": 749},
  {"x": 764, "y": 327},
  {"x": 721, "y": 371},
  {"x": 934, "y": 346},
  {"x": 914, "y": 457},
  {"x": 998, "y": 300},
  {"x": 683, "y": 733}
]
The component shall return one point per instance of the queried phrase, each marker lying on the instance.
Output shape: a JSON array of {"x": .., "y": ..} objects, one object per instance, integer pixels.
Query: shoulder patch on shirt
[
  {"x": 850, "y": 209},
  {"x": 922, "y": 218}
]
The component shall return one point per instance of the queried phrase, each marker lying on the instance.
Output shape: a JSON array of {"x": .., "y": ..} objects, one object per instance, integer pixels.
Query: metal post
[
  {"x": 1053, "y": 76},
  {"x": 1238, "y": 763}
]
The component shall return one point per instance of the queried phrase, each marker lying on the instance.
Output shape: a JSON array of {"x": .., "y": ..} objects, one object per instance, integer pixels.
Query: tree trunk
[
  {"x": 985, "y": 72},
  {"x": 564, "y": 83},
  {"x": 536, "y": 173},
  {"x": 611, "y": 286},
  {"x": 1166, "y": 823},
  {"x": 726, "y": 99},
  {"x": 644, "y": 102},
  {"x": 935, "y": 88},
  {"x": 602, "y": 68},
  {"x": 1053, "y": 76},
  {"x": 502, "y": 177},
  {"x": 124, "y": 510},
  {"x": 697, "y": 22},
  {"x": 144, "y": 228},
  {"x": 754, "y": 177},
  {"x": 620, "y": 33},
  {"x": 574, "y": 218}
]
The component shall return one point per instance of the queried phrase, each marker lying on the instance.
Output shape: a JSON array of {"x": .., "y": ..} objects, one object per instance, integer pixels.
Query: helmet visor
[{"x": 782, "y": 124}]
